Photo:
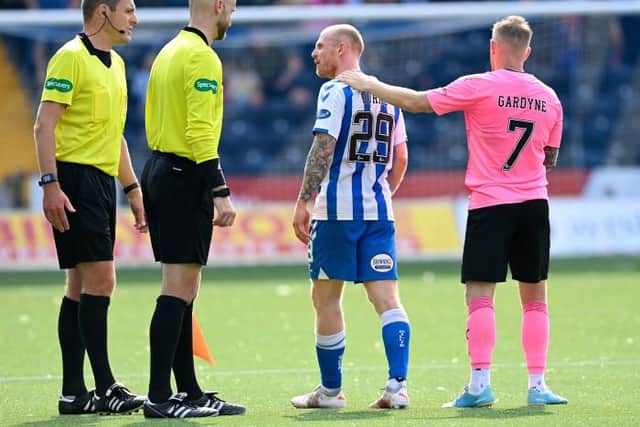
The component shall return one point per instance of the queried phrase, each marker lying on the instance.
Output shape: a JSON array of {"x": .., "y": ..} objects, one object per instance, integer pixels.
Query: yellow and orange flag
[{"x": 200, "y": 347}]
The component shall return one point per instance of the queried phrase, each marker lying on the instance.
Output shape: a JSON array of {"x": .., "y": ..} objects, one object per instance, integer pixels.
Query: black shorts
[
  {"x": 92, "y": 228},
  {"x": 179, "y": 209},
  {"x": 516, "y": 235}
]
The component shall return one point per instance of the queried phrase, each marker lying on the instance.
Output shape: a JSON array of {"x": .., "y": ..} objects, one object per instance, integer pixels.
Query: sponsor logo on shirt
[
  {"x": 382, "y": 263},
  {"x": 61, "y": 85},
  {"x": 206, "y": 85},
  {"x": 323, "y": 114}
]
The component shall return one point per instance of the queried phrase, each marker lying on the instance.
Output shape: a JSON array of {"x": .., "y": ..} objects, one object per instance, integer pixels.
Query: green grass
[{"x": 259, "y": 326}]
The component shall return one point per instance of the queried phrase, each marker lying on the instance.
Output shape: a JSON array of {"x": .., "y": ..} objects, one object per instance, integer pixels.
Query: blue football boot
[
  {"x": 468, "y": 400},
  {"x": 547, "y": 397}
]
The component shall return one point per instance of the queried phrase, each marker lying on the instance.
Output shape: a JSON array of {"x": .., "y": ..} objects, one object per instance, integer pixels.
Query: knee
[
  {"x": 97, "y": 278},
  {"x": 190, "y": 295},
  {"x": 181, "y": 281},
  {"x": 533, "y": 292},
  {"x": 326, "y": 305},
  {"x": 186, "y": 291},
  {"x": 100, "y": 286},
  {"x": 73, "y": 291},
  {"x": 73, "y": 285},
  {"x": 385, "y": 303}
]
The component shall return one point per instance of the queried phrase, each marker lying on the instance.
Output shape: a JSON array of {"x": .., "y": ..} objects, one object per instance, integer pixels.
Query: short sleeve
[
  {"x": 330, "y": 109},
  {"x": 456, "y": 96},
  {"x": 400, "y": 132},
  {"x": 61, "y": 79},
  {"x": 555, "y": 136}
]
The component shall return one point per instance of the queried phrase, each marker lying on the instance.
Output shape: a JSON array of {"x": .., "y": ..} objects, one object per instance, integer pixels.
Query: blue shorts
[{"x": 357, "y": 251}]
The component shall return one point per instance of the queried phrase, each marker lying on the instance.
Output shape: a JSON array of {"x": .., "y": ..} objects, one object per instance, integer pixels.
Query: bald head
[
  {"x": 212, "y": 17},
  {"x": 347, "y": 34},
  {"x": 513, "y": 32},
  {"x": 200, "y": 4}
]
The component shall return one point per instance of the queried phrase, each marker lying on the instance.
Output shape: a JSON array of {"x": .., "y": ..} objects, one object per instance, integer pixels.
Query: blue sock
[
  {"x": 396, "y": 333},
  {"x": 329, "y": 349}
]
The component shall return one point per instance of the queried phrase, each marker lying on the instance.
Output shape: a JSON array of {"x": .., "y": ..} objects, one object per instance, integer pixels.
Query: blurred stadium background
[
  {"x": 586, "y": 50},
  {"x": 259, "y": 320}
]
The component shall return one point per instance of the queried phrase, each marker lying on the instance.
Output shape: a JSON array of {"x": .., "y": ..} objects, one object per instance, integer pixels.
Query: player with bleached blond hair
[
  {"x": 514, "y": 127},
  {"x": 357, "y": 161}
]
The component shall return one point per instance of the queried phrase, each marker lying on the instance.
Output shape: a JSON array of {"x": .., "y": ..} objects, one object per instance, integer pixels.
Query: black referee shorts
[
  {"x": 179, "y": 209},
  {"x": 516, "y": 235},
  {"x": 92, "y": 228}
]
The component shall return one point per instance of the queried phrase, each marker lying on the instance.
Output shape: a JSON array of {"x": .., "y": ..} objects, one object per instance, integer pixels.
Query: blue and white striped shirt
[{"x": 366, "y": 130}]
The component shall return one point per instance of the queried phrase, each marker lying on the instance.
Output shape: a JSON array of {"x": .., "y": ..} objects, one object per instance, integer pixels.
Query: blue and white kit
[{"x": 353, "y": 233}]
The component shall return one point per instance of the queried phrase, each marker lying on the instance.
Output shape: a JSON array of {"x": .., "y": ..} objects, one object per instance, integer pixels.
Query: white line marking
[{"x": 300, "y": 371}]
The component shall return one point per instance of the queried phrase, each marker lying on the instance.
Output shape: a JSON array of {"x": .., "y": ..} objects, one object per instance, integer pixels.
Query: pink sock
[
  {"x": 535, "y": 336},
  {"x": 481, "y": 332}
]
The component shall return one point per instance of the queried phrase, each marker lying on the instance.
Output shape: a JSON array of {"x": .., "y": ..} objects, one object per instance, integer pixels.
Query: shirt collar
[
  {"x": 103, "y": 56},
  {"x": 198, "y": 32}
]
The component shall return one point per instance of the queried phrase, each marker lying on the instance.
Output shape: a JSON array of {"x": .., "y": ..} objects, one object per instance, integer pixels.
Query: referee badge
[
  {"x": 206, "y": 85},
  {"x": 61, "y": 85}
]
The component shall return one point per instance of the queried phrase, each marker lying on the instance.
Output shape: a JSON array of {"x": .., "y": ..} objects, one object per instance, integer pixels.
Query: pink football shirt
[{"x": 510, "y": 117}]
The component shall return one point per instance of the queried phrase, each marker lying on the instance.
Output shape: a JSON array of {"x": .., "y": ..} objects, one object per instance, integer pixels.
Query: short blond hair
[
  {"x": 513, "y": 30},
  {"x": 350, "y": 34}
]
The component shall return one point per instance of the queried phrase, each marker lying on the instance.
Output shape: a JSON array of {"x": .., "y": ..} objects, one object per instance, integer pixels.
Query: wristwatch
[{"x": 47, "y": 178}]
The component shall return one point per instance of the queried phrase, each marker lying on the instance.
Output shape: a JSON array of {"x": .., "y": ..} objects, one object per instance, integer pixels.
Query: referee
[
  {"x": 182, "y": 182},
  {"x": 80, "y": 147}
]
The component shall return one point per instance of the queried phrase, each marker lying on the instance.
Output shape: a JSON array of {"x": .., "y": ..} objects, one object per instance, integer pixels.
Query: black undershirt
[{"x": 103, "y": 56}]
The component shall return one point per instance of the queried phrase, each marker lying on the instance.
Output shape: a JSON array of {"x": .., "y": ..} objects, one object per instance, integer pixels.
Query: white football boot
[
  {"x": 392, "y": 400},
  {"x": 319, "y": 399}
]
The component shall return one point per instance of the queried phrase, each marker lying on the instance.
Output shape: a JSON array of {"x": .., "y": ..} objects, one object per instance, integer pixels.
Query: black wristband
[
  {"x": 47, "y": 178},
  {"x": 129, "y": 188},
  {"x": 223, "y": 192}
]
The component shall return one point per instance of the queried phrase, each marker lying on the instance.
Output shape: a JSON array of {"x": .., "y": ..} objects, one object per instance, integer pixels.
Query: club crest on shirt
[
  {"x": 206, "y": 85},
  {"x": 382, "y": 263},
  {"x": 61, "y": 85},
  {"x": 324, "y": 113}
]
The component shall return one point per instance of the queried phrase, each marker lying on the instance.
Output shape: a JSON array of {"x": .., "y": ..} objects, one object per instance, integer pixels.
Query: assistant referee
[
  {"x": 81, "y": 148},
  {"x": 182, "y": 182}
]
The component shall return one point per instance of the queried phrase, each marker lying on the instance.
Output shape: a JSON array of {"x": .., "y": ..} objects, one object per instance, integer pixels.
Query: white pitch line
[{"x": 300, "y": 371}]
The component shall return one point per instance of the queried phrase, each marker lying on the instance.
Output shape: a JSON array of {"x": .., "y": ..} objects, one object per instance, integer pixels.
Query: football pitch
[{"x": 259, "y": 327}]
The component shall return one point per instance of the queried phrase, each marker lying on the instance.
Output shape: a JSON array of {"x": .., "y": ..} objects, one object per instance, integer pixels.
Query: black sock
[
  {"x": 92, "y": 313},
  {"x": 72, "y": 349},
  {"x": 183, "y": 368},
  {"x": 163, "y": 339}
]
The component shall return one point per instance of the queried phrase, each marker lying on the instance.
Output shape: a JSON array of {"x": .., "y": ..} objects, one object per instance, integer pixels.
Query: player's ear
[
  {"x": 527, "y": 53},
  {"x": 492, "y": 46}
]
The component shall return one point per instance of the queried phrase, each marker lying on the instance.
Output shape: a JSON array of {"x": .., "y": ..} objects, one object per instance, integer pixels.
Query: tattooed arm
[
  {"x": 550, "y": 157},
  {"x": 317, "y": 166}
]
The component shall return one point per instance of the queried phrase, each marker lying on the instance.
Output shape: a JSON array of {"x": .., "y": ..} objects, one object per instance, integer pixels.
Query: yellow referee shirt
[
  {"x": 90, "y": 129},
  {"x": 183, "y": 114}
]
